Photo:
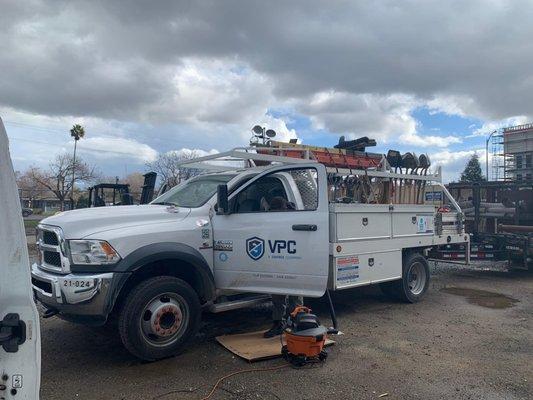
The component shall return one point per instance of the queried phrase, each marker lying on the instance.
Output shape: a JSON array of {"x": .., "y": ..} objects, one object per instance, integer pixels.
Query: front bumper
[{"x": 77, "y": 294}]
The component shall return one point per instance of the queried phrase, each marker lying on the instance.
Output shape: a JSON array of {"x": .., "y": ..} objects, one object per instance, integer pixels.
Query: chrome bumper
[{"x": 67, "y": 294}]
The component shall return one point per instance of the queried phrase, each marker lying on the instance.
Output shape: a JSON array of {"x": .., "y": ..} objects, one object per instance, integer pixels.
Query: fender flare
[{"x": 171, "y": 251}]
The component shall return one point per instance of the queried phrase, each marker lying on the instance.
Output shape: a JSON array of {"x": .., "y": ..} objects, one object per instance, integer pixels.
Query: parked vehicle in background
[
  {"x": 26, "y": 212},
  {"x": 20, "y": 340},
  {"x": 230, "y": 237},
  {"x": 110, "y": 194},
  {"x": 117, "y": 194}
]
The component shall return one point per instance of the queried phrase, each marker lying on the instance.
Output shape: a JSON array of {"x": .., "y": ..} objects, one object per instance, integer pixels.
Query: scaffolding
[
  {"x": 497, "y": 157},
  {"x": 505, "y": 146},
  {"x": 518, "y": 153}
]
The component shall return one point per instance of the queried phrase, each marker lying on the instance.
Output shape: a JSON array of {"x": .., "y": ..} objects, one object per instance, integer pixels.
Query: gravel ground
[{"x": 455, "y": 344}]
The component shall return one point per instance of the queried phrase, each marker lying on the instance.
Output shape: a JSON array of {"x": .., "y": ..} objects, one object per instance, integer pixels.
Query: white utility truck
[
  {"x": 270, "y": 218},
  {"x": 20, "y": 340}
]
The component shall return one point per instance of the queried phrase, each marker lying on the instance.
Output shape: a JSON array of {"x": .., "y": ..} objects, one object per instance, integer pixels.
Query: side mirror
[{"x": 222, "y": 200}]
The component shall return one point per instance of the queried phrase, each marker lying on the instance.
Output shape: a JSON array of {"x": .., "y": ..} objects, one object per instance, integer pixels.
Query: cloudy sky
[{"x": 150, "y": 77}]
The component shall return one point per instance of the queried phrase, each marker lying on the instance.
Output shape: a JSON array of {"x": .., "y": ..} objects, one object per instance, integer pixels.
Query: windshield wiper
[{"x": 165, "y": 203}]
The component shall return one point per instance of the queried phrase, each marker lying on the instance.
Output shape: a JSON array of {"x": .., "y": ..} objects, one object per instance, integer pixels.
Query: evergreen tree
[{"x": 472, "y": 172}]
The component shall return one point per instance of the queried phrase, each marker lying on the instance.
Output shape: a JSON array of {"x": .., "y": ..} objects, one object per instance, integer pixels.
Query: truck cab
[{"x": 222, "y": 240}]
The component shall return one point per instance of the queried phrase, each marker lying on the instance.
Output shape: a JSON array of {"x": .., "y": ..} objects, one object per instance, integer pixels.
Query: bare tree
[
  {"x": 136, "y": 182},
  {"x": 167, "y": 169},
  {"x": 56, "y": 178},
  {"x": 30, "y": 191},
  {"x": 105, "y": 179}
]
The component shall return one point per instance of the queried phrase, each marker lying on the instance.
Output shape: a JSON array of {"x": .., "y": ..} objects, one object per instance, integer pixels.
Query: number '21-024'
[{"x": 76, "y": 283}]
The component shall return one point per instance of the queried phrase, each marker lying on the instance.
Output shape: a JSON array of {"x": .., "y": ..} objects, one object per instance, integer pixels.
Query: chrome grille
[
  {"x": 51, "y": 247},
  {"x": 52, "y": 258},
  {"x": 50, "y": 238}
]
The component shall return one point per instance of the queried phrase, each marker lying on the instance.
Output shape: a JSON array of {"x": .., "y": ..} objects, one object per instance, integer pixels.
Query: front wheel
[
  {"x": 415, "y": 280},
  {"x": 159, "y": 317}
]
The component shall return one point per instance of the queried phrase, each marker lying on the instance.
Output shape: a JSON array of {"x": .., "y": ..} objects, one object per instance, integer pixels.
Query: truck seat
[{"x": 248, "y": 205}]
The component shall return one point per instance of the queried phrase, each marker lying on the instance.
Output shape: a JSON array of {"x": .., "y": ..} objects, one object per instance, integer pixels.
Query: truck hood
[{"x": 77, "y": 224}]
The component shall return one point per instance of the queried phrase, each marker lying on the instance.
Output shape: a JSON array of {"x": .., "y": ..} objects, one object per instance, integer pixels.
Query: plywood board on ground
[{"x": 253, "y": 346}]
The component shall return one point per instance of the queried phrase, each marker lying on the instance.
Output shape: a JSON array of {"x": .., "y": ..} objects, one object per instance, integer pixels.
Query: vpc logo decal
[{"x": 255, "y": 248}]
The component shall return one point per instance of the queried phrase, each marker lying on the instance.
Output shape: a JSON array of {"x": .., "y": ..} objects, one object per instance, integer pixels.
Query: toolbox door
[
  {"x": 20, "y": 351},
  {"x": 275, "y": 237}
]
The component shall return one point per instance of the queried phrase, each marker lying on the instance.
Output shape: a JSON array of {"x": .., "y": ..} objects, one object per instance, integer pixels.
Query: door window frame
[{"x": 278, "y": 169}]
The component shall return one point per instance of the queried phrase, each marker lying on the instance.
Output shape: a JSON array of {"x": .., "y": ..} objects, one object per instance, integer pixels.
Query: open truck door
[
  {"x": 274, "y": 235},
  {"x": 20, "y": 345}
]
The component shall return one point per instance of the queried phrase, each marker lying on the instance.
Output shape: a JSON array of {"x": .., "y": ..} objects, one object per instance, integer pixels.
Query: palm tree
[{"x": 77, "y": 132}]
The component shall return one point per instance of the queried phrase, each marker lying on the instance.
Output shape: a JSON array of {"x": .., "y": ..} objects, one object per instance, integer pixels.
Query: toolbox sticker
[
  {"x": 433, "y": 196},
  {"x": 424, "y": 224},
  {"x": 223, "y": 245},
  {"x": 347, "y": 270},
  {"x": 16, "y": 381}
]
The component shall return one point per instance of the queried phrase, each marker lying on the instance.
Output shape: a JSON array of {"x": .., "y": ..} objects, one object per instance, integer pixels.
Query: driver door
[
  {"x": 276, "y": 237},
  {"x": 20, "y": 346}
]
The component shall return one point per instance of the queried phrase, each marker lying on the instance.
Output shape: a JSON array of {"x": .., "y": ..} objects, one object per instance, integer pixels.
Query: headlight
[{"x": 92, "y": 252}]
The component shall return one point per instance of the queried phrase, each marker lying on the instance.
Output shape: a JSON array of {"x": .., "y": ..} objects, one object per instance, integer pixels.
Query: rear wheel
[
  {"x": 159, "y": 317},
  {"x": 415, "y": 280}
]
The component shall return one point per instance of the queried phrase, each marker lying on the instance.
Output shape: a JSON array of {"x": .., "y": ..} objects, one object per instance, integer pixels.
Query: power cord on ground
[
  {"x": 217, "y": 384},
  {"x": 243, "y": 371}
]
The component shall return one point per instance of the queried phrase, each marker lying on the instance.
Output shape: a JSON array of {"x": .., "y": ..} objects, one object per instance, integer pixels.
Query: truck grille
[
  {"x": 52, "y": 258},
  {"x": 50, "y": 238},
  {"x": 50, "y": 243}
]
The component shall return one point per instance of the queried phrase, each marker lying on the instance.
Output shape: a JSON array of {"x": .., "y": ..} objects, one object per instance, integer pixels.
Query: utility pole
[{"x": 487, "y": 155}]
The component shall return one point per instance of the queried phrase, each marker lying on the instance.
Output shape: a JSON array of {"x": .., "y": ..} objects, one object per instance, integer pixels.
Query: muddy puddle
[{"x": 482, "y": 298}]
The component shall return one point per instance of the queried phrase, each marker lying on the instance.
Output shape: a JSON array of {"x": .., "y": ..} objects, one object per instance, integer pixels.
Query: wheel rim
[
  {"x": 164, "y": 319},
  {"x": 416, "y": 278}
]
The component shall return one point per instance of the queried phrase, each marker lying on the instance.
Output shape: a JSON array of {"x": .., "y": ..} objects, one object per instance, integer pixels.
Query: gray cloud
[{"x": 227, "y": 62}]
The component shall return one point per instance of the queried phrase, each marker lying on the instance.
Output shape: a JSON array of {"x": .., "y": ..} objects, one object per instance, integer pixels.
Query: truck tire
[
  {"x": 159, "y": 317},
  {"x": 415, "y": 280}
]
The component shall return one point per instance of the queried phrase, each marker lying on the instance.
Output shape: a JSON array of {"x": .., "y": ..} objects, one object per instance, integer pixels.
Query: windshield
[{"x": 194, "y": 192}]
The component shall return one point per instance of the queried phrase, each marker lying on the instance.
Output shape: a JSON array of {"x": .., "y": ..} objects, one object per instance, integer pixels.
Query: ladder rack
[
  {"x": 377, "y": 173},
  {"x": 330, "y": 157},
  {"x": 286, "y": 155},
  {"x": 262, "y": 157}
]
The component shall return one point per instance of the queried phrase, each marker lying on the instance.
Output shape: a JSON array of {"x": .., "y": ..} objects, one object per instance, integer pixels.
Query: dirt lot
[{"x": 456, "y": 344}]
